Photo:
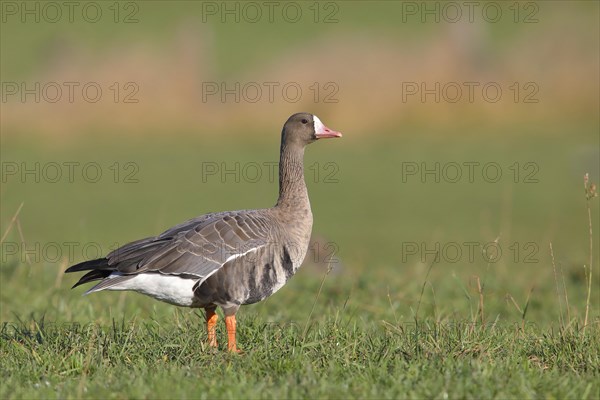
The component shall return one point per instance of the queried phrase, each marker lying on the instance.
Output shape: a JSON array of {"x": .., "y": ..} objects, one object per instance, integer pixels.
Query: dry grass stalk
[
  {"x": 329, "y": 268},
  {"x": 435, "y": 259},
  {"x": 561, "y": 319},
  {"x": 12, "y": 221},
  {"x": 480, "y": 291},
  {"x": 590, "y": 193},
  {"x": 562, "y": 275}
]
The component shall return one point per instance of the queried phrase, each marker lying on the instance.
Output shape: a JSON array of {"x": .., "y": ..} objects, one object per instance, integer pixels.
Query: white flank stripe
[{"x": 233, "y": 257}]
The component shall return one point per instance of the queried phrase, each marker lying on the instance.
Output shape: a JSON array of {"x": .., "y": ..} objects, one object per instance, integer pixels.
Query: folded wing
[{"x": 195, "y": 249}]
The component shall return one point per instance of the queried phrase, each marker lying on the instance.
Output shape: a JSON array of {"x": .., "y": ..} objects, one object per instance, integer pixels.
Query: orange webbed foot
[
  {"x": 211, "y": 327},
  {"x": 230, "y": 323}
]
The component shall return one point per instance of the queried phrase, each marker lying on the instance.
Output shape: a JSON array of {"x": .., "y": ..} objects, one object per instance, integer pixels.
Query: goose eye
[{"x": 305, "y": 121}]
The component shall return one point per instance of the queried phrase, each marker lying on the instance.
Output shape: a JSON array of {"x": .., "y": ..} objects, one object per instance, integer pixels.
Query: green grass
[{"x": 336, "y": 358}]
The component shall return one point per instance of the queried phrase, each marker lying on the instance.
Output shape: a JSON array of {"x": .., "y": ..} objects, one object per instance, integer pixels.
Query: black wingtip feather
[
  {"x": 98, "y": 263},
  {"x": 94, "y": 275}
]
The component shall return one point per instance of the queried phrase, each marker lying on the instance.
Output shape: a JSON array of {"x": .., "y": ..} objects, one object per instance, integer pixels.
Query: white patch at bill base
[{"x": 318, "y": 125}]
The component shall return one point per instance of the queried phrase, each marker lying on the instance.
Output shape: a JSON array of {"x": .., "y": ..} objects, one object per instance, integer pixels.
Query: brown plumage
[{"x": 224, "y": 259}]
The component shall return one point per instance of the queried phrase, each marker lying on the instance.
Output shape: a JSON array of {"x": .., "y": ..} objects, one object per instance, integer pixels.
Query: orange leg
[
  {"x": 230, "y": 324},
  {"x": 211, "y": 327}
]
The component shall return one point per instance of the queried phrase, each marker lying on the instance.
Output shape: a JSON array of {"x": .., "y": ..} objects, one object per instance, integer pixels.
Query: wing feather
[{"x": 197, "y": 248}]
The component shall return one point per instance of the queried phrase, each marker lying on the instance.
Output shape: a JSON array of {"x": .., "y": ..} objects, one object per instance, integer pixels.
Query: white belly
[{"x": 168, "y": 288}]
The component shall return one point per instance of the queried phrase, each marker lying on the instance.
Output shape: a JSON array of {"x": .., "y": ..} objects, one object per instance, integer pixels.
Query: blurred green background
[{"x": 363, "y": 57}]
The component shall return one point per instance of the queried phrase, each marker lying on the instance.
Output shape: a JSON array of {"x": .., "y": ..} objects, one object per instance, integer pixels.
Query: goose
[{"x": 223, "y": 259}]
